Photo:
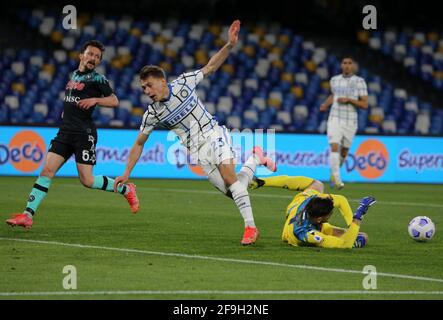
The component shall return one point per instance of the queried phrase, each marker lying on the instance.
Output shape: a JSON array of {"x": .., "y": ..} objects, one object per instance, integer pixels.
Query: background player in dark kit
[{"x": 78, "y": 135}]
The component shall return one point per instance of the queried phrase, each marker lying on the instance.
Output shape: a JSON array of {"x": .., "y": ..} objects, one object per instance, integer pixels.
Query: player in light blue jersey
[{"x": 177, "y": 107}]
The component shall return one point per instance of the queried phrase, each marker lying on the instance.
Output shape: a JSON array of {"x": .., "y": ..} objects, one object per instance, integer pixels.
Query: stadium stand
[
  {"x": 277, "y": 79},
  {"x": 421, "y": 53}
]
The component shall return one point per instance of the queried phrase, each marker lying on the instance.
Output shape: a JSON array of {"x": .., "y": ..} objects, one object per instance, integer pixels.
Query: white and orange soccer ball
[{"x": 421, "y": 228}]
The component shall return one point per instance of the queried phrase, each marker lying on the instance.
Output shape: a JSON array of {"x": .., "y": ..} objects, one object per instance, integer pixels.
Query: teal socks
[
  {"x": 38, "y": 193},
  {"x": 107, "y": 184}
]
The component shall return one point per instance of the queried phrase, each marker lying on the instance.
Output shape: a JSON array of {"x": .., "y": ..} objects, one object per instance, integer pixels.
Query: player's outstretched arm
[
  {"x": 134, "y": 155},
  {"x": 328, "y": 102},
  {"x": 217, "y": 60}
]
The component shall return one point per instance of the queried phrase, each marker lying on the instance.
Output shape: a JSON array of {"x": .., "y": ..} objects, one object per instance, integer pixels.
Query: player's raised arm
[
  {"x": 134, "y": 155},
  {"x": 217, "y": 60}
]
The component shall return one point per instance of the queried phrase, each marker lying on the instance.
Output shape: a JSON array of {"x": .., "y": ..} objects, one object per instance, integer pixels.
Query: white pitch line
[
  {"x": 231, "y": 260},
  {"x": 277, "y": 196},
  {"x": 417, "y": 204},
  {"x": 220, "y": 292}
]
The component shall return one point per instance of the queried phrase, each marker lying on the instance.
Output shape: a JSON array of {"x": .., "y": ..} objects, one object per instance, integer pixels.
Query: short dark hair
[
  {"x": 319, "y": 207},
  {"x": 93, "y": 43},
  {"x": 152, "y": 71},
  {"x": 347, "y": 56}
]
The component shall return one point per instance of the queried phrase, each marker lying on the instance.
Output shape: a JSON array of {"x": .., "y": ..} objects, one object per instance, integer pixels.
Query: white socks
[
  {"x": 241, "y": 199},
  {"x": 247, "y": 171},
  {"x": 334, "y": 162}
]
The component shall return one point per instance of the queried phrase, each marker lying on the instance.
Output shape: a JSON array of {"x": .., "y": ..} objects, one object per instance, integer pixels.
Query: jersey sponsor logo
[
  {"x": 181, "y": 113},
  {"x": 371, "y": 159},
  {"x": 347, "y": 88},
  {"x": 25, "y": 151},
  {"x": 72, "y": 99},
  {"x": 75, "y": 85},
  {"x": 344, "y": 91}
]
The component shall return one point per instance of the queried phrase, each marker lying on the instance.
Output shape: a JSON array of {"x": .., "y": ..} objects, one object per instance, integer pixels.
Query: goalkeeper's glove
[{"x": 365, "y": 203}]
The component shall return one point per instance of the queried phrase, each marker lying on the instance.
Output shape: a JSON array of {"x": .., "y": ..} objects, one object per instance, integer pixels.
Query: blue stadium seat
[{"x": 255, "y": 79}]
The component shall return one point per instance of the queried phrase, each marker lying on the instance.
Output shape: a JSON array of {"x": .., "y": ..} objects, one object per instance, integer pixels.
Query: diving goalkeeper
[{"x": 308, "y": 213}]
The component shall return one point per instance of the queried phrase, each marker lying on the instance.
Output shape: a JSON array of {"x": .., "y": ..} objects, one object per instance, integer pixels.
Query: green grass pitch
[{"x": 185, "y": 244}]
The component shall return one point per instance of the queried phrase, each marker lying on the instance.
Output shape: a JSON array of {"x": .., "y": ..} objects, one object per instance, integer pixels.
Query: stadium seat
[
  {"x": 251, "y": 115},
  {"x": 233, "y": 122},
  {"x": 389, "y": 125},
  {"x": 275, "y": 79},
  {"x": 423, "y": 124},
  {"x": 420, "y": 53}
]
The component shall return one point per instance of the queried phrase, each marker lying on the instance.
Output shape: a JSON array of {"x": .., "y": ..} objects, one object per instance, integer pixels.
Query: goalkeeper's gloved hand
[{"x": 365, "y": 203}]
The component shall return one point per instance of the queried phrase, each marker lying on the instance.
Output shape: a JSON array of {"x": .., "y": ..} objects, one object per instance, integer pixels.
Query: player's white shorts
[
  {"x": 216, "y": 149},
  {"x": 341, "y": 133}
]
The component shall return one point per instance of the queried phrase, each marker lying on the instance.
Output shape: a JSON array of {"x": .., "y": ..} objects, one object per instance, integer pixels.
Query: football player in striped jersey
[{"x": 176, "y": 106}]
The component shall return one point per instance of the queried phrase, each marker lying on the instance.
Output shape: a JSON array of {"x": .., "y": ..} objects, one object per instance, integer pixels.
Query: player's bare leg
[
  {"x": 107, "y": 184},
  {"x": 343, "y": 154},
  {"x": 52, "y": 164},
  {"x": 85, "y": 174},
  {"x": 241, "y": 198},
  {"x": 334, "y": 161}
]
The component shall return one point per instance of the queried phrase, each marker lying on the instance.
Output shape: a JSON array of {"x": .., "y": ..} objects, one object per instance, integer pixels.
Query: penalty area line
[{"x": 228, "y": 260}]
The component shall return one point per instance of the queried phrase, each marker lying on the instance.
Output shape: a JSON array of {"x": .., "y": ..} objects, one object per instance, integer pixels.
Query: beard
[{"x": 87, "y": 65}]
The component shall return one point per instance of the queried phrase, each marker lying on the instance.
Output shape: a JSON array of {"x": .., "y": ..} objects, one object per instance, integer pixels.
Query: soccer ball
[{"x": 421, "y": 228}]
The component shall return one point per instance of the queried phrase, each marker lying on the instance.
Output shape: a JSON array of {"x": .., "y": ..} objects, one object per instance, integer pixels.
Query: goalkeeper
[{"x": 308, "y": 213}]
